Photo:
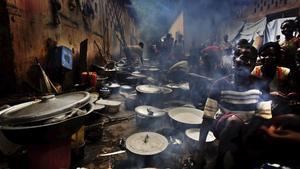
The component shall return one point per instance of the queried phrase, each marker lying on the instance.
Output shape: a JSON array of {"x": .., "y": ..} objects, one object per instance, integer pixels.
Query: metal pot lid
[
  {"x": 126, "y": 87},
  {"x": 110, "y": 70},
  {"x": 153, "y": 69},
  {"x": 108, "y": 102},
  {"x": 67, "y": 121},
  {"x": 146, "y": 143},
  {"x": 149, "y": 111},
  {"x": 166, "y": 90},
  {"x": 49, "y": 107},
  {"x": 148, "y": 89},
  {"x": 113, "y": 85},
  {"x": 194, "y": 134},
  {"x": 138, "y": 74},
  {"x": 183, "y": 86},
  {"x": 186, "y": 115}
]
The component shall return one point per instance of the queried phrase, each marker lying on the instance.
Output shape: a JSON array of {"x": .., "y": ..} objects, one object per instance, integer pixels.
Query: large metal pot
[
  {"x": 136, "y": 78},
  {"x": 111, "y": 106},
  {"x": 47, "y": 132},
  {"x": 192, "y": 139},
  {"x": 48, "y": 120},
  {"x": 150, "y": 71},
  {"x": 113, "y": 87},
  {"x": 180, "y": 91},
  {"x": 148, "y": 94},
  {"x": 166, "y": 93},
  {"x": 185, "y": 117},
  {"x": 146, "y": 148},
  {"x": 150, "y": 118}
]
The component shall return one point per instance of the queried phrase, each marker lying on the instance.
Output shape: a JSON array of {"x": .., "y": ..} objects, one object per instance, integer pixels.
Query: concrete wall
[
  {"x": 31, "y": 24},
  {"x": 261, "y": 8},
  {"x": 202, "y": 19}
]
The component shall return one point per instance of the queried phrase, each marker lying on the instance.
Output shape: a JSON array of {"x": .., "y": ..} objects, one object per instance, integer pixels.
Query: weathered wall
[
  {"x": 202, "y": 18},
  {"x": 31, "y": 24},
  {"x": 261, "y": 8}
]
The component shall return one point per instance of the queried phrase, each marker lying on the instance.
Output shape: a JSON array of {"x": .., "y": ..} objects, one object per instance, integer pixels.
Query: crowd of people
[
  {"x": 253, "y": 100},
  {"x": 250, "y": 96},
  {"x": 257, "y": 122}
]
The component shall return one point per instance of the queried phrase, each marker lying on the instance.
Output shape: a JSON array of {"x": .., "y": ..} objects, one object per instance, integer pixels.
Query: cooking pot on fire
[
  {"x": 151, "y": 94},
  {"x": 146, "y": 148},
  {"x": 149, "y": 117},
  {"x": 146, "y": 143},
  {"x": 185, "y": 117},
  {"x": 113, "y": 87},
  {"x": 150, "y": 71},
  {"x": 180, "y": 90},
  {"x": 45, "y": 120},
  {"x": 111, "y": 106},
  {"x": 192, "y": 139}
]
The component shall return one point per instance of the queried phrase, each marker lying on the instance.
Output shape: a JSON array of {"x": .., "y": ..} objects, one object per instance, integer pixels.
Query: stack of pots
[{"x": 47, "y": 124}]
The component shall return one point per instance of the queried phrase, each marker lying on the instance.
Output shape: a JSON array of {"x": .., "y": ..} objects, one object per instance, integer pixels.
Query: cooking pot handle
[
  {"x": 122, "y": 144},
  {"x": 47, "y": 97},
  {"x": 111, "y": 154}
]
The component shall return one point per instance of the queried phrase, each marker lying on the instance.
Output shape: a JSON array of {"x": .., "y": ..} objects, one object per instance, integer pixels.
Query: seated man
[
  {"x": 275, "y": 76},
  {"x": 239, "y": 96}
]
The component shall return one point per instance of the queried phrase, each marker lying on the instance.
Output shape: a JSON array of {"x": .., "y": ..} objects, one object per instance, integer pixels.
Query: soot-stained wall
[{"x": 27, "y": 26}]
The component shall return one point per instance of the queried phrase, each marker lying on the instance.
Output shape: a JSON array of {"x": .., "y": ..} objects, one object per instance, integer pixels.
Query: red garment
[{"x": 212, "y": 49}]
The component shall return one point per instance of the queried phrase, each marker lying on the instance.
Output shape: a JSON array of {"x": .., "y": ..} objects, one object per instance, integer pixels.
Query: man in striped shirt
[{"x": 239, "y": 97}]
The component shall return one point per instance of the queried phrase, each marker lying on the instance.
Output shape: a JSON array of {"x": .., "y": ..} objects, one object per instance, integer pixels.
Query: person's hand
[
  {"x": 277, "y": 134},
  {"x": 293, "y": 95},
  {"x": 287, "y": 121},
  {"x": 278, "y": 94}
]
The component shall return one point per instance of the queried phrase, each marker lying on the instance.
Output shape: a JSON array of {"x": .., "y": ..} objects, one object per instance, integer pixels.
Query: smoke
[
  {"x": 156, "y": 16},
  {"x": 202, "y": 18}
]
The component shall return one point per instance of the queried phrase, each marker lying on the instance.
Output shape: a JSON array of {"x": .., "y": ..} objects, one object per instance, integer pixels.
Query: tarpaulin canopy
[
  {"x": 232, "y": 29},
  {"x": 273, "y": 29},
  {"x": 252, "y": 30}
]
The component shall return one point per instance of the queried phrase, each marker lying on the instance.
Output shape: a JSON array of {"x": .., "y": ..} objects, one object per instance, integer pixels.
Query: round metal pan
[
  {"x": 185, "y": 117},
  {"x": 45, "y": 133},
  {"x": 50, "y": 106}
]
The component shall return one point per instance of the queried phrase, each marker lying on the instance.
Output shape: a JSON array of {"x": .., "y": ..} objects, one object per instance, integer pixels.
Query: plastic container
[{"x": 89, "y": 77}]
